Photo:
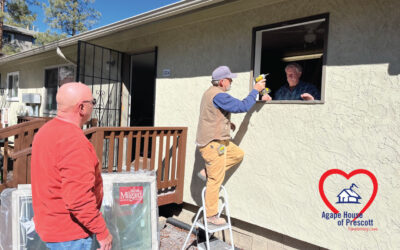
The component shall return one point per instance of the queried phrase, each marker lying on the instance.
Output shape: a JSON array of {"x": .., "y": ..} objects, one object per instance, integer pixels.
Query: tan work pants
[{"x": 216, "y": 166}]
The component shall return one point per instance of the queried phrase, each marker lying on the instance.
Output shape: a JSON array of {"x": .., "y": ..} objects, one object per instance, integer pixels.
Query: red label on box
[{"x": 130, "y": 195}]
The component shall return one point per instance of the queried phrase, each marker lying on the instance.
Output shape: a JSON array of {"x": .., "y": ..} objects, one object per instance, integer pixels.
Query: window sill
[
  {"x": 12, "y": 99},
  {"x": 292, "y": 102}
]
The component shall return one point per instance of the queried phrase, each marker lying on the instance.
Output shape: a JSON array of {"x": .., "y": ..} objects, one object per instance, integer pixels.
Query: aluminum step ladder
[{"x": 211, "y": 228}]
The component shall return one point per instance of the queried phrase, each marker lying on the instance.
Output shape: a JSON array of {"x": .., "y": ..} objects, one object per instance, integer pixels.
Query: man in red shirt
[{"x": 67, "y": 188}]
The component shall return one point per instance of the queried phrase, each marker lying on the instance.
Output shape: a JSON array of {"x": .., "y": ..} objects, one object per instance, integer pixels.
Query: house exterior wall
[
  {"x": 20, "y": 41},
  {"x": 31, "y": 80},
  {"x": 287, "y": 146}
]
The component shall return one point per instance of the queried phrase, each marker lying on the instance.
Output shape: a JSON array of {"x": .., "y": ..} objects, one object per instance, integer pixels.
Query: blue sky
[{"x": 111, "y": 10}]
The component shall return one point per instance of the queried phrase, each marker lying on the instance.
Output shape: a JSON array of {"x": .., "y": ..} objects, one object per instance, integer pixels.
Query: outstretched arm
[{"x": 228, "y": 103}]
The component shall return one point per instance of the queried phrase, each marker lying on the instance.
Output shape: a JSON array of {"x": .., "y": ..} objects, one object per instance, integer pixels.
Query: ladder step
[
  {"x": 215, "y": 244},
  {"x": 211, "y": 227}
]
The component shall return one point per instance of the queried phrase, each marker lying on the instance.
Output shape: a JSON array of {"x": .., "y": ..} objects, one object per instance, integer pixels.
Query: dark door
[{"x": 143, "y": 78}]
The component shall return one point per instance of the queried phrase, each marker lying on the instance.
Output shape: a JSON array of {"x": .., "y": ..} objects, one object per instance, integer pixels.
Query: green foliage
[
  {"x": 17, "y": 13},
  {"x": 9, "y": 49},
  {"x": 71, "y": 16},
  {"x": 43, "y": 38}
]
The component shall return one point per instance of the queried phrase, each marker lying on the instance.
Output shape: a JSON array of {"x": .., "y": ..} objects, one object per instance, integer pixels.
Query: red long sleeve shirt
[{"x": 67, "y": 188}]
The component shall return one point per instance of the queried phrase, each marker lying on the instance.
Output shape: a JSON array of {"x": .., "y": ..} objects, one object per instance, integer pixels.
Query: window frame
[
  {"x": 8, "y": 38},
  {"x": 256, "y": 53},
  {"x": 7, "y": 92},
  {"x": 52, "y": 112}
]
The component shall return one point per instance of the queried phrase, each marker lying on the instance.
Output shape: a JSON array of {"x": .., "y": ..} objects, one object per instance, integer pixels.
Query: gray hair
[
  {"x": 215, "y": 82},
  {"x": 294, "y": 66}
]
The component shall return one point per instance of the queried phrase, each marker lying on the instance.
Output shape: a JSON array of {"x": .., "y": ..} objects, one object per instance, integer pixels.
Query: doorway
[{"x": 143, "y": 79}]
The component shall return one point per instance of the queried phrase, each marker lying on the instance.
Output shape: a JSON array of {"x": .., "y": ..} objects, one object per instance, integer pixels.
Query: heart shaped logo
[{"x": 347, "y": 176}]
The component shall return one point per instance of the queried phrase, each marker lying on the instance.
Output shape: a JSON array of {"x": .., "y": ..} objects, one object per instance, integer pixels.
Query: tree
[
  {"x": 71, "y": 16},
  {"x": 43, "y": 38},
  {"x": 1, "y": 23},
  {"x": 17, "y": 13}
]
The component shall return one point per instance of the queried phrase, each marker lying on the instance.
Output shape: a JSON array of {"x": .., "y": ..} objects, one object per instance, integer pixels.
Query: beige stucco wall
[
  {"x": 31, "y": 79},
  {"x": 288, "y": 146}
]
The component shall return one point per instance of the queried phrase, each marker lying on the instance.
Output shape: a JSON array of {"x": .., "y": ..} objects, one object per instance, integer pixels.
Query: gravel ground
[{"x": 173, "y": 238}]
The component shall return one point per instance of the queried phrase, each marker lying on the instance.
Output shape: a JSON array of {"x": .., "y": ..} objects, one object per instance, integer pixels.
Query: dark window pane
[
  {"x": 51, "y": 78},
  {"x": 12, "y": 85},
  {"x": 50, "y": 83}
]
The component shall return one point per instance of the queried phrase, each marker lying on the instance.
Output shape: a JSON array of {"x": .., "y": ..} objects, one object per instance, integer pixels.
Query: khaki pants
[{"x": 216, "y": 166}]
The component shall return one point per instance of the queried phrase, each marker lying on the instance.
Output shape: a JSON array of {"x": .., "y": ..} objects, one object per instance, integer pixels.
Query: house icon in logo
[{"x": 348, "y": 195}]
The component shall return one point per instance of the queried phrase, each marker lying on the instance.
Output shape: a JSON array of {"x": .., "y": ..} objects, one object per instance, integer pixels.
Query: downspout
[{"x": 59, "y": 53}]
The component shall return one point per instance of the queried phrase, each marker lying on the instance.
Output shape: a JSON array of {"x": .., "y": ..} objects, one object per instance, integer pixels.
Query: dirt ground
[{"x": 172, "y": 238}]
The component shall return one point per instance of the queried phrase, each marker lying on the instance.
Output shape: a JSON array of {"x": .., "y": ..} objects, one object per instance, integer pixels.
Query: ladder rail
[
  {"x": 191, "y": 229},
  {"x": 205, "y": 217},
  {"x": 225, "y": 205}
]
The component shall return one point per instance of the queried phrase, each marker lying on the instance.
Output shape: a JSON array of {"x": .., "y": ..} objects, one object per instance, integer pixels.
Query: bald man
[{"x": 67, "y": 188}]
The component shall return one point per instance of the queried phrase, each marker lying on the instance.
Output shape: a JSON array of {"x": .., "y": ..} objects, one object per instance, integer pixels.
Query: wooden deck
[{"x": 119, "y": 149}]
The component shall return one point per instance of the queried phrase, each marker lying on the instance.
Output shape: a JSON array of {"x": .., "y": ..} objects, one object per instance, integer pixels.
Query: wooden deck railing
[
  {"x": 16, "y": 151},
  {"x": 162, "y": 149},
  {"x": 88, "y": 124},
  {"x": 21, "y": 119},
  {"x": 119, "y": 149}
]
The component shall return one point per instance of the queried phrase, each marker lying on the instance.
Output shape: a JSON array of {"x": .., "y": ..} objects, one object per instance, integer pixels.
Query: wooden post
[
  {"x": 99, "y": 135},
  {"x": 181, "y": 167}
]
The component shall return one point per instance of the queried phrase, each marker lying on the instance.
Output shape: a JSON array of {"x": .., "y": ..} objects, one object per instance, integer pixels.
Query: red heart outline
[{"x": 347, "y": 176}]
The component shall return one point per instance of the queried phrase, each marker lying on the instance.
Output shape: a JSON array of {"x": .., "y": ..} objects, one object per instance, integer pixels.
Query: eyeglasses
[{"x": 92, "y": 101}]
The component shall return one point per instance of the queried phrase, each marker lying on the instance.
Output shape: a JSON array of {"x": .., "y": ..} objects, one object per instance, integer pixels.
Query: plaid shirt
[{"x": 284, "y": 93}]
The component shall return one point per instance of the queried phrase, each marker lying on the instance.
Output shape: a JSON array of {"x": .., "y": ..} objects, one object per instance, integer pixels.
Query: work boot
[
  {"x": 202, "y": 175},
  {"x": 218, "y": 221}
]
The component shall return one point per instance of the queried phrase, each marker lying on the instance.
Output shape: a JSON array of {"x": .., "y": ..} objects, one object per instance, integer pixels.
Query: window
[
  {"x": 302, "y": 41},
  {"x": 8, "y": 37},
  {"x": 1, "y": 86},
  {"x": 12, "y": 86},
  {"x": 53, "y": 79}
]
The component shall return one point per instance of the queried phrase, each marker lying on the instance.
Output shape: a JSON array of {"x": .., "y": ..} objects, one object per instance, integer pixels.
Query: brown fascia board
[{"x": 168, "y": 11}]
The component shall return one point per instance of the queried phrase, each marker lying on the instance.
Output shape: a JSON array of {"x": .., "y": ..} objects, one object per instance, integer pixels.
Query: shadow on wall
[
  {"x": 196, "y": 185},
  {"x": 394, "y": 69}
]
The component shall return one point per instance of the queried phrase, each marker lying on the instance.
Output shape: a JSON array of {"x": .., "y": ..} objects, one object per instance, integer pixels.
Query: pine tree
[
  {"x": 43, "y": 38},
  {"x": 71, "y": 16},
  {"x": 17, "y": 13},
  {"x": 1, "y": 23}
]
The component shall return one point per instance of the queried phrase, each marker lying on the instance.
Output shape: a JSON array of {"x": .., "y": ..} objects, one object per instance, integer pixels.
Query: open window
[
  {"x": 53, "y": 78},
  {"x": 12, "y": 86},
  {"x": 303, "y": 41}
]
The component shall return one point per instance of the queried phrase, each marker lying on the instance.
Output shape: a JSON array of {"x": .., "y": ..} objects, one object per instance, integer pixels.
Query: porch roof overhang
[
  {"x": 181, "y": 7},
  {"x": 19, "y": 30}
]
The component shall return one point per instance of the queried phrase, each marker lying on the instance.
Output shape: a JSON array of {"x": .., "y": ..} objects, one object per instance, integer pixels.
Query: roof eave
[{"x": 147, "y": 17}]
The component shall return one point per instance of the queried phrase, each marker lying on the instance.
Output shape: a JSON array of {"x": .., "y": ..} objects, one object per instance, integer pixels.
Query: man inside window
[{"x": 296, "y": 89}]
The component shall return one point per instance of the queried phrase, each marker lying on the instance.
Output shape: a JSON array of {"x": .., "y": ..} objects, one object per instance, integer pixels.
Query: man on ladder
[{"x": 213, "y": 134}]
